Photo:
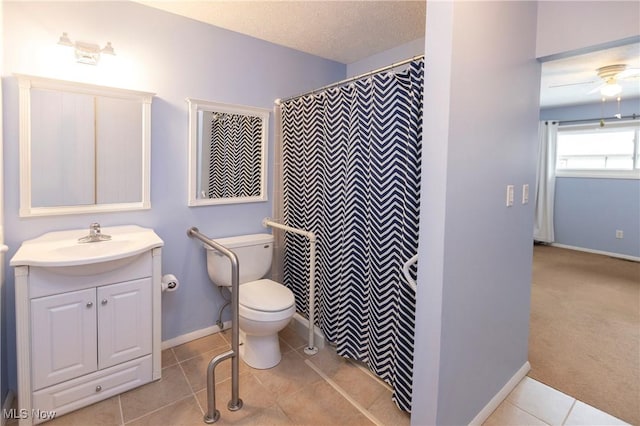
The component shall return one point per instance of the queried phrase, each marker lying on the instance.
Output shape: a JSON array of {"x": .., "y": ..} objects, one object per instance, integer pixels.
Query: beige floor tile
[
  {"x": 541, "y": 401},
  {"x": 140, "y": 401},
  {"x": 362, "y": 420},
  {"x": 196, "y": 370},
  {"x": 184, "y": 412},
  {"x": 327, "y": 360},
  {"x": 212, "y": 342},
  {"x": 272, "y": 416},
  {"x": 320, "y": 404},
  {"x": 168, "y": 358},
  {"x": 103, "y": 413},
  {"x": 363, "y": 388},
  {"x": 508, "y": 414},
  {"x": 293, "y": 339},
  {"x": 386, "y": 411},
  {"x": 284, "y": 346},
  {"x": 583, "y": 414},
  {"x": 291, "y": 375},
  {"x": 254, "y": 396},
  {"x": 226, "y": 335}
]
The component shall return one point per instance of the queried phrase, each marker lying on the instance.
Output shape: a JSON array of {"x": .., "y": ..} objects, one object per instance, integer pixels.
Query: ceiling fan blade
[
  {"x": 572, "y": 84},
  {"x": 597, "y": 89},
  {"x": 629, "y": 73}
]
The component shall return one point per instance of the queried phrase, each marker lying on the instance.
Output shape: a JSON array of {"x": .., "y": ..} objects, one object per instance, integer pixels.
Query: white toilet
[{"x": 266, "y": 307}]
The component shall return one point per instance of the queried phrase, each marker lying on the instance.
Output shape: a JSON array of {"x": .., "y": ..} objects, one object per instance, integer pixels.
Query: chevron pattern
[
  {"x": 351, "y": 174},
  {"x": 235, "y": 155}
]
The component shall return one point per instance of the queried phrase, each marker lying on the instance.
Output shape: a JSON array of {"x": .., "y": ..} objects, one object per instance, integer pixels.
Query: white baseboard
[
  {"x": 484, "y": 414},
  {"x": 605, "y": 253},
  {"x": 184, "y": 338},
  {"x": 6, "y": 406}
]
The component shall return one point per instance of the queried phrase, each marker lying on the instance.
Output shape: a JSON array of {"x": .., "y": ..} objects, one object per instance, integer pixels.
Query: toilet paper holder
[{"x": 169, "y": 282}]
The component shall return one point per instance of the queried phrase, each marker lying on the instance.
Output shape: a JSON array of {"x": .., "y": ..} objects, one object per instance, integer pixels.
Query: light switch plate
[{"x": 509, "y": 195}]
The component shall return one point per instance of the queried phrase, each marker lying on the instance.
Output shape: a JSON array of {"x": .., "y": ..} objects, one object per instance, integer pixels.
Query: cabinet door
[
  {"x": 124, "y": 321},
  {"x": 63, "y": 337}
]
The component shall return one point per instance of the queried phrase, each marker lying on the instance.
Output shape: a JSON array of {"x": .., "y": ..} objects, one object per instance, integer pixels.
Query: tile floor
[
  {"x": 324, "y": 389},
  {"x": 534, "y": 403},
  {"x": 301, "y": 390}
]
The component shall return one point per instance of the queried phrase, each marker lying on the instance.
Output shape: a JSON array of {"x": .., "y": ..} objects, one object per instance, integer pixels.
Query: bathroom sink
[
  {"x": 96, "y": 250},
  {"x": 59, "y": 249}
]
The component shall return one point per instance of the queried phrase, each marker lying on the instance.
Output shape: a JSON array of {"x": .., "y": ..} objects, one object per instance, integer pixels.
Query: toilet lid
[{"x": 266, "y": 295}]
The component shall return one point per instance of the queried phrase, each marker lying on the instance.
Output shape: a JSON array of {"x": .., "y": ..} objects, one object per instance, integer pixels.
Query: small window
[{"x": 594, "y": 151}]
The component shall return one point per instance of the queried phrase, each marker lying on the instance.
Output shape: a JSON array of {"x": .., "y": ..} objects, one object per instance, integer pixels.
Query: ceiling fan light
[{"x": 611, "y": 89}]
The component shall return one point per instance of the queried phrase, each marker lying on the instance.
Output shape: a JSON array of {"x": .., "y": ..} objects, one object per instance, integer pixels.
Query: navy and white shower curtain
[
  {"x": 351, "y": 174},
  {"x": 235, "y": 156}
]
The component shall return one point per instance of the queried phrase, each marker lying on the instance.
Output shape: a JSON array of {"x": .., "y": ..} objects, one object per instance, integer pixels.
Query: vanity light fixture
[{"x": 86, "y": 53}]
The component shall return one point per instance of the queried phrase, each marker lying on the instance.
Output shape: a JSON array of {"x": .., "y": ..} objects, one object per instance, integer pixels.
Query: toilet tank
[{"x": 254, "y": 253}]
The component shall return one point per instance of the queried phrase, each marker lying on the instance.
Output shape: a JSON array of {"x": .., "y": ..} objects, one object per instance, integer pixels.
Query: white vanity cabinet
[
  {"x": 86, "y": 331},
  {"x": 65, "y": 328}
]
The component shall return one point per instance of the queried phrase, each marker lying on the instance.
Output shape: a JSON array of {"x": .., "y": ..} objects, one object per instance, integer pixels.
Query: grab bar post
[
  {"x": 311, "y": 348},
  {"x": 235, "y": 403}
]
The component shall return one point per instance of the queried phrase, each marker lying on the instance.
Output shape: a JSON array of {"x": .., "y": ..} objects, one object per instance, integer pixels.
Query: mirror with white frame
[
  {"x": 227, "y": 153},
  {"x": 83, "y": 148}
]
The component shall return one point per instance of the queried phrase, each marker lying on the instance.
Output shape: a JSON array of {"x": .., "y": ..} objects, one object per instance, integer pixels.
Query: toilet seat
[
  {"x": 266, "y": 300},
  {"x": 262, "y": 316}
]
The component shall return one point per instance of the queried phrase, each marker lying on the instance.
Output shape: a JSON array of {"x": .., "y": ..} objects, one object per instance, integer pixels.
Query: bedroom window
[{"x": 593, "y": 151}]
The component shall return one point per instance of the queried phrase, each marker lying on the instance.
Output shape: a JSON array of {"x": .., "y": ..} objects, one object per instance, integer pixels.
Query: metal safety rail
[
  {"x": 311, "y": 348},
  {"x": 235, "y": 404}
]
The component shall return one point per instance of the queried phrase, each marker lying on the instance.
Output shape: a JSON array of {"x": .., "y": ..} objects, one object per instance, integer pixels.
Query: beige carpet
[{"x": 585, "y": 328}]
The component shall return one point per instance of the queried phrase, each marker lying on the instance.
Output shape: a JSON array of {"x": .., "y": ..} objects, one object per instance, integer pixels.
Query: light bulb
[
  {"x": 64, "y": 40},
  {"x": 611, "y": 89},
  {"x": 108, "y": 49}
]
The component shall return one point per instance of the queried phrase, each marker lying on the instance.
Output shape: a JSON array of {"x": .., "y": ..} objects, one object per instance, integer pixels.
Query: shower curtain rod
[{"x": 350, "y": 79}]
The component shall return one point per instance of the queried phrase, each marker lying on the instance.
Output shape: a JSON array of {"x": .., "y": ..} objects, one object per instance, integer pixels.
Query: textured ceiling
[
  {"x": 348, "y": 31},
  {"x": 344, "y": 31}
]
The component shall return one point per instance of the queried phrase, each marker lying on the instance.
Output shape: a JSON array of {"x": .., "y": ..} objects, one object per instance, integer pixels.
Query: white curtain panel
[{"x": 545, "y": 182}]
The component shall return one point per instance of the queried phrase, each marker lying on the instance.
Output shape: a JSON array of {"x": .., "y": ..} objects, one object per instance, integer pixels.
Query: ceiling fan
[{"x": 610, "y": 76}]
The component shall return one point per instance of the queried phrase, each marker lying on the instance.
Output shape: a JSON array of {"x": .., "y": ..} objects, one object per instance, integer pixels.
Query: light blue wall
[
  {"x": 388, "y": 57},
  {"x": 176, "y": 58},
  {"x": 588, "y": 211},
  {"x": 474, "y": 272}
]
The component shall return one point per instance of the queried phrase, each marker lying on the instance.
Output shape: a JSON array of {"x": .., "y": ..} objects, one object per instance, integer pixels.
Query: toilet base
[{"x": 260, "y": 352}]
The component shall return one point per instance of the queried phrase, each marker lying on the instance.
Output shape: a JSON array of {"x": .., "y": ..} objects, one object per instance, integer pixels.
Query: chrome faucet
[{"x": 95, "y": 235}]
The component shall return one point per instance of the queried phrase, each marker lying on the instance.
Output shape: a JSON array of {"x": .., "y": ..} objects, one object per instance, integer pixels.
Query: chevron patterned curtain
[
  {"x": 351, "y": 174},
  {"x": 234, "y": 156}
]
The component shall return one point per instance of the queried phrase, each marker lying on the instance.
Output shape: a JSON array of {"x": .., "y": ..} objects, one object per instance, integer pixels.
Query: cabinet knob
[
  {"x": 104, "y": 301},
  {"x": 89, "y": 304},
  {"x": 98, "y": 388}
]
